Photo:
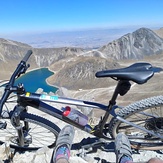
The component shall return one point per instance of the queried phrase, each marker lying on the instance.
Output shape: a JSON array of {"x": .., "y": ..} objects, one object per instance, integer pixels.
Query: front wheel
[
  {"x": 147, "y": 113},
  {"x": 38, "y": 132}
]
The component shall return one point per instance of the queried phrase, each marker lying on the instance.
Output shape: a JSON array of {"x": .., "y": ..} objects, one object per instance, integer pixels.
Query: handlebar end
[{"x": 28, "y": 54}]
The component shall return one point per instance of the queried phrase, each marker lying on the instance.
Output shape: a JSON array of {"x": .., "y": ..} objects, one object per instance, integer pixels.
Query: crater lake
[{"x": 36, "y": 79}]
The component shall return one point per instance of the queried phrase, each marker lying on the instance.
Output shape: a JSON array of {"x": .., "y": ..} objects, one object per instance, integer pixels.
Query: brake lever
[{"x": 23, "y": 70}]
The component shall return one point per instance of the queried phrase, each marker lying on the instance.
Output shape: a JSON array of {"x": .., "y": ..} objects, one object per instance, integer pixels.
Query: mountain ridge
[{"x": 70, "y": 62}]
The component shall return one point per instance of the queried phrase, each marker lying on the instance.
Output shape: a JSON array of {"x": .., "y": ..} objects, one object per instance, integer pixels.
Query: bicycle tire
[
  {"x": 149, "y": 114},
  {"x": 38, "y": 125}
]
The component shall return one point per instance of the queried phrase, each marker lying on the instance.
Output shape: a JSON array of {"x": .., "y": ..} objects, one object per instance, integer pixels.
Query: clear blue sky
[{"x": 17, "y": 16}]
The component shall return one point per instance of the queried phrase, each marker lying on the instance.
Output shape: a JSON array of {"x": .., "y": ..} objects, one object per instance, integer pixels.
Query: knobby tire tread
[{"x": 133, "y": 108}]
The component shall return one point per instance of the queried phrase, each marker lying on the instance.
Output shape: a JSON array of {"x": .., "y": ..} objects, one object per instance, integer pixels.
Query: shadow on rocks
[{"x": 93, "y": 144}]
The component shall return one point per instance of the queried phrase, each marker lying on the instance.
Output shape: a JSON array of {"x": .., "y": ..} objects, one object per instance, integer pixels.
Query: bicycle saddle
[{"x": 137, "y": 72}]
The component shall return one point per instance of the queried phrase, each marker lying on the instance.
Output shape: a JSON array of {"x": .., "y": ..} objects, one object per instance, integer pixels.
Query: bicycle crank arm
[{"x": 141, "y": 128}]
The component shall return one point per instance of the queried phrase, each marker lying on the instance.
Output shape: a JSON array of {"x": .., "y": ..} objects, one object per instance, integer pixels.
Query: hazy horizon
[{"x": 87, "y": 38}]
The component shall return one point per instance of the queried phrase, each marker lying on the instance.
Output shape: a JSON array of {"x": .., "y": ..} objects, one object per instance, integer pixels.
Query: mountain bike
[{"x": 141, "y": 121}]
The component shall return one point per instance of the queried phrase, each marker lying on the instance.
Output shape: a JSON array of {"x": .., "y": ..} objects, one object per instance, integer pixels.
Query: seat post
[
  {"x": 115, "y": 94},
  {"x": 112, "y": 102},
  {"x": 123, "y": 86}
]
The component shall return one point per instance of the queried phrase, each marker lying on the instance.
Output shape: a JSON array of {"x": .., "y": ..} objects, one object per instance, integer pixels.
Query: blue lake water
[{"x": 36, "y": 79}]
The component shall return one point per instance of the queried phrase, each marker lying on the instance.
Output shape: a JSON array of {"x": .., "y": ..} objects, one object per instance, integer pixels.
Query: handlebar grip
[{"x": 28, "y": 54}]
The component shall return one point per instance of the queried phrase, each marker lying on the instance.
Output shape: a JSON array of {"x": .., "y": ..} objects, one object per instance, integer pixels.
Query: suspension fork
[{"x": 15, "y": 120}]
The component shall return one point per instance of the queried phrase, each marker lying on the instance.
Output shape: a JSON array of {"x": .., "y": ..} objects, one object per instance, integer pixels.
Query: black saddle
[{"x": 138, "y": 73}]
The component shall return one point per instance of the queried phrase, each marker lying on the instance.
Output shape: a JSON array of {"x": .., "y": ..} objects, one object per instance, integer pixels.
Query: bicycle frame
[{"x": 38, "y": 101}]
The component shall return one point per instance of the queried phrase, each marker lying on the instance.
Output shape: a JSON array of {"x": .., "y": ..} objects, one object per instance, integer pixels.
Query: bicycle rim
[
  {"x": 40, "y": 133},
  {"x": 148, "y": 114}
]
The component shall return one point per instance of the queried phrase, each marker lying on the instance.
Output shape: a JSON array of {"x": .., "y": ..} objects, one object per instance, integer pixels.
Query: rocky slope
[
  {"x": 136, "y": 45},
  {"x": 79, "y": 73},
  {"x": 47, "y": 56}
]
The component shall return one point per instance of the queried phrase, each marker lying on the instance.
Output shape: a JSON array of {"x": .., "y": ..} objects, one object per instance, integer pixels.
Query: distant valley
[{"x": 86, "y": 39}]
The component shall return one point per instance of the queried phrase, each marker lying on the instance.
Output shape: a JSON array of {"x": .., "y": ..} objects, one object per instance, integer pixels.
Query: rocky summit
[{"x": 136, "y": 45}]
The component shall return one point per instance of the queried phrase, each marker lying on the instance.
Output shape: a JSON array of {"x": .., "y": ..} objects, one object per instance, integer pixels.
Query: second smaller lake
[{"x": 36, "y": 79}]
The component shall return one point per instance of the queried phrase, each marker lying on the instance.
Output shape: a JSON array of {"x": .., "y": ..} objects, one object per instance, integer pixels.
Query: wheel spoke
[{"x": 40, "y": 132}]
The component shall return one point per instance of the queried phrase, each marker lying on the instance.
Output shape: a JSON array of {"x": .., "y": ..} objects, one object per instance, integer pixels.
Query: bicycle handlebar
[{"x": 9, "y": 87}]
